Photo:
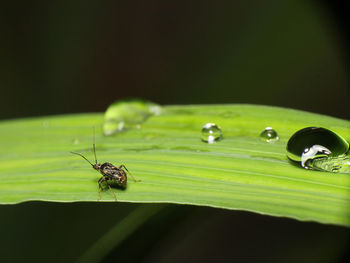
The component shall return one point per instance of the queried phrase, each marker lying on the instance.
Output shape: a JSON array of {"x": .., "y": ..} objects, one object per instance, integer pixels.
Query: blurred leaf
[
  {"x": 175, "y": 166},
  {"x": 118, "y": 233}
]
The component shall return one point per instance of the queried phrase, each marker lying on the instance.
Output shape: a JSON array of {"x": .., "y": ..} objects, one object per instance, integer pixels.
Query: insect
[{"x": 110, "y": 174}]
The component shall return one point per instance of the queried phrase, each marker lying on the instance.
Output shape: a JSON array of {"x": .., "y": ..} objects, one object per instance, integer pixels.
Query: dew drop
[
  {"x": 211, "y": 133},
  {"x": 129, "y": 114},
  {"x": 319, "y": 149},
  {"x": 269, "y": 135},
  {"x": 76, "y": 141}
]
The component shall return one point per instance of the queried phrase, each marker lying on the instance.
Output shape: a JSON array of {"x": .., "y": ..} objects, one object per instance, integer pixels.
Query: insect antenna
[
  {"x": 83, "y": 157},
  {"x": 94, "y": 147}
]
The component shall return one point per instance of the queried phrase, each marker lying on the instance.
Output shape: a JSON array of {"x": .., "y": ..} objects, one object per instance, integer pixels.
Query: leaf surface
[{"x": 238, "y": 172}]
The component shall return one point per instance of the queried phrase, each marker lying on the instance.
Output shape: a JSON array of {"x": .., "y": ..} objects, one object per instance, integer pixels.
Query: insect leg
[
  {"x": 123, "y": 166},
  {"x": 110, "y": 188},
  {"x": 100, "y": 181}
]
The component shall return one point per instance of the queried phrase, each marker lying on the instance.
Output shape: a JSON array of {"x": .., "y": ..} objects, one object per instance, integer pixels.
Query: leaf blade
[{"x": 240, "y": 172}]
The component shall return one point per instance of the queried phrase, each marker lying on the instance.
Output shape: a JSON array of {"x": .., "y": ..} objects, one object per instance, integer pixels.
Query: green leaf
[{"x": 239, "y": 172}]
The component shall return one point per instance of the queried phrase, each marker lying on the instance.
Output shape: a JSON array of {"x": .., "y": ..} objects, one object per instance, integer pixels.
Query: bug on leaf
[{"x": 111, "y": 174}]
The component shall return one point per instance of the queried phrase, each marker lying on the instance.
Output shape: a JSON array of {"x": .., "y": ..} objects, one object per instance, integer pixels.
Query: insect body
[{"x": 111, "y": 175}]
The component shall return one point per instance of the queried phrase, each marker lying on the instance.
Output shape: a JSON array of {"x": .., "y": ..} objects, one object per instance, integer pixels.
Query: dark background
[{"x": 79, "y": 56}]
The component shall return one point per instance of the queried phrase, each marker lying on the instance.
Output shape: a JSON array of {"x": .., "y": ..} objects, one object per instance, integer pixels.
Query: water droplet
[
  {"x": 76, "y": 141},
  {"x": 124, "y": 115},
  {"x": 211, "y": 133},
  {"x": 319, "y": 149},
  {"x": 269, "y": 135}
]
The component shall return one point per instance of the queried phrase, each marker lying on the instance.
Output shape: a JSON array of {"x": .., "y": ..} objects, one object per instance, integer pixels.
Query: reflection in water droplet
[
  {"x": 319, "y": 149},
  {"x": 269, "y": 135},
  {"x": 211, "y": 133},
  {"x": 316, "y": 151},
  {"x": 124, "y": 115}
]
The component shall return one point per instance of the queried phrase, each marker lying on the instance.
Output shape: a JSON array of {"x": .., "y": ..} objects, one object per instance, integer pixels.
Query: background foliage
[{"x": 63, "y": 57}]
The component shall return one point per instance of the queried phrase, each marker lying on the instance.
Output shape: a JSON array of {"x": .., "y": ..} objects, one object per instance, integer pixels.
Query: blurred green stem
[{"x": 119, "y": 232}]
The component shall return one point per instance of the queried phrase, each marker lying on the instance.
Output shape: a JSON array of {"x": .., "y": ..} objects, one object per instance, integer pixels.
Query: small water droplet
[
  {"x": 76, "y": 141},
  {"x": 211, "y": 133},
  {"x": 319, "y": 149},
  {"x": 269, "y": 135},
  {"x": 130, "y": 114}
]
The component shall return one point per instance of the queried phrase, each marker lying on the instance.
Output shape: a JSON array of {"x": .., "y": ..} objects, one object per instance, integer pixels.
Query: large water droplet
[
  {"x": 123, "y": 115},
  {"x": 211, "y": 133},
  {"x": 319, "y": 149},
  {"x": 269, "y": 135}
]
